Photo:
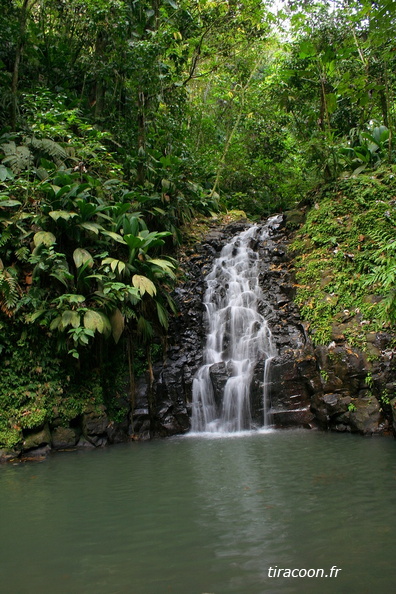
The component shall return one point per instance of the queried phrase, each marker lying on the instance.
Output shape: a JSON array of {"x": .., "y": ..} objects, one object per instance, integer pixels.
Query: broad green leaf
[
  {"x": 114, "y": 264},
  {"x": 96, "y": 321},
  {"x": 35, "y": 315},
  {"x": 45, "y": 237},
  {"x": 70, "y": 318},
  {"x": 62, "y": 214},
  {"x": 8, "y": 203},
  {"x": 162, "y": 316},
  {"x": 94, "y": 227},
  {"x": 307, "y": 50},
  {"x": 133, "y": 241},
  {"x": 144, "y": 285},
  {"x": 331, "y": 101},
  {"x": 114, "y": 236},
  {"x": 70, "y": 298},
  {"x": 117, "y": 322},
  {"x": 164, "y": 265},
  {"x": 82, "y": 256},
  {"x": 55, "y": 323}
]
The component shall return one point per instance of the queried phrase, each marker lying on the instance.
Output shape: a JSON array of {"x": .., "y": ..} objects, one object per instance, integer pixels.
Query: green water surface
[{"x": 194, "y": 515}]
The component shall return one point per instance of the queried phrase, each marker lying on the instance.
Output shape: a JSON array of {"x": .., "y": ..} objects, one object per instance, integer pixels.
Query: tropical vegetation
[{"x": 124, "y": 122}]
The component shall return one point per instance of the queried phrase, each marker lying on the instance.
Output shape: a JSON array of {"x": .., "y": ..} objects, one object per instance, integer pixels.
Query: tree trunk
[
  {"x": 141, "y": 138},
  {"x": 100, "y": 45},
  {"x": 18, "y": 55},
  {"x": 234, "y": 129}
]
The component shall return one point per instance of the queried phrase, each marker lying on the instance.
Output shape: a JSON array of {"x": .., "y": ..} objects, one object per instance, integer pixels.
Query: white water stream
[{"x": 238, "y": 337}]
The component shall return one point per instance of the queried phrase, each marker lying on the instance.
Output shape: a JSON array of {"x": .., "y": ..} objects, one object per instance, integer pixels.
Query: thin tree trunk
[
  {"x": 100, "y": 45},
  {"x": 18, "y": 55},
  {"x": 234, "y": 129},
  {"x": 141, "y": 124}
]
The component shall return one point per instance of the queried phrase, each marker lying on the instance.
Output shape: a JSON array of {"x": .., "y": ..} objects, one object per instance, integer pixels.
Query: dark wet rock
[
  {"x": 392, "y": 407},
  {"x": 118, "y": 432},
  {"x": 95, "y": 423},
  {"x": 36, "y": 454},
  {"x": 64, "y": 437},
  {"x": 219, "y": 375},
  {"x": 308, "y": 385},
  {"x": 84, "y": 443},
  {"x": 302, "y": 417},
  {"x": 366, "y": 418}
]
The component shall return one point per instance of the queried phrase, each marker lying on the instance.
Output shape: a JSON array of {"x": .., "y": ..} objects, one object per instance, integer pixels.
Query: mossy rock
[
  {"x": 64, "y": 437},
  {"x": 37, "y": 439},
  {"x": 295, "y": 218}
]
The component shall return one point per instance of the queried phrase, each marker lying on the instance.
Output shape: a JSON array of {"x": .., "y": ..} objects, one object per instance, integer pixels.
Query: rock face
[
  {"x": 291, "y": 384},
  {"x": 332, "y": 387}
]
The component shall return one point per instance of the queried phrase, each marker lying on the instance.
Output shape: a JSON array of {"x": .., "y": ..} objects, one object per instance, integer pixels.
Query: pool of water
[{"x": 194, "y": 515}]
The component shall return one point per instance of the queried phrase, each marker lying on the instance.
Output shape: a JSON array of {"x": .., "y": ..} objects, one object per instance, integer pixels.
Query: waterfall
[{"x": 238, "y": 337}]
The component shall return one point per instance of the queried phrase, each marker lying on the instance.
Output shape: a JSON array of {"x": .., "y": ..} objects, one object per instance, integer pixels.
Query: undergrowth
[{"x": 345, "y": 258}]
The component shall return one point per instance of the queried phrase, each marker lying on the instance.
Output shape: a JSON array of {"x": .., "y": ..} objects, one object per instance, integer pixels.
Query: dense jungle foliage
[{"x": 122, "y": 123}]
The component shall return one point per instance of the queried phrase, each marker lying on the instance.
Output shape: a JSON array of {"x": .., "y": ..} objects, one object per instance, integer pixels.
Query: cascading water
[{"x": 238, "y": 338}]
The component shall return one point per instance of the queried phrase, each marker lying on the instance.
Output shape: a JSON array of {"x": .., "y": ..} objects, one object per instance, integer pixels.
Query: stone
[
  {"x": 366, "y": 419},
  {"x": 84, "y": 443},
  {"x": 302, "y": 417},
  {"x": 94, "y": 424},
  {"x": 118, "y": 432},
  {"x": 63, "y": 437},
  {"x": 36, "y": 454},
  {"x": 307, "y": 384},
  {"x": 392, "y": 404},
  {"x": 219, "y": 375},
  {"x": 37, "y": 439}
]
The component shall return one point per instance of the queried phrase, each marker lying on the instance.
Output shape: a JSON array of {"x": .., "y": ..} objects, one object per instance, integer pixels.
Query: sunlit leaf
[
  {"x": 70, "y": 318},
  {"x": 114, "y": 236},
  {"x": 82, "y": 256},
  {"x": 144, "y": 285},
  {"x": 8, "y": 203},
  {"x": 94, "y": 227},
  {"x": 117, "y": 322},
  {"x": 62, "y": 214},
  {"x": 44, "y": 237},
  {"x": 97, "y": 321}
]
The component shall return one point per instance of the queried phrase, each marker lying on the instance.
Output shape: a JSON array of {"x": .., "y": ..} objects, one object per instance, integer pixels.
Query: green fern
[
  {"x": 9, "y": 291},
  {"x": 5, "y": 236},
  {"x": 50, "y": 148},
  {"x": 22, "y": 254},
  {"x": 384, "y": 272},
  {"x": 18, "y": 158}
]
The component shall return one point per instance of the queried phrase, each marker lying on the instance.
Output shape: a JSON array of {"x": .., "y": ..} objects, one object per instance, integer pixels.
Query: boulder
[
  {"x": 366, "y": 418},
  {"x": 37, "y": 439},
  {"x": 94, "y": 425},
  {"x": 63, "y": 437}
]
